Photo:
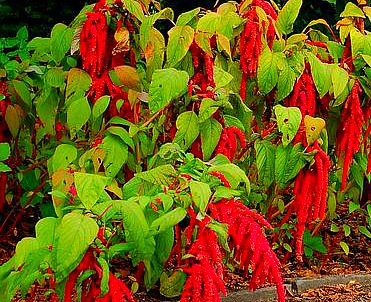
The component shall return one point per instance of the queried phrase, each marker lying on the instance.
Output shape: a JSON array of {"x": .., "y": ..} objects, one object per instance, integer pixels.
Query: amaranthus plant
[{"x": 182, "y": 152}]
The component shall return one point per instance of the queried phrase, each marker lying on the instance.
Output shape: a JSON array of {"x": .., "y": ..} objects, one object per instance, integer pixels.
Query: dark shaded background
[{"x": 40, "y": 16}]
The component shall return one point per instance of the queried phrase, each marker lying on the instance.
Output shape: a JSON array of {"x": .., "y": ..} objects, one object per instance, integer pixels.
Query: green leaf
[
  {"x": 64, "y": 155},
  {"x": 234, "y": 174},
  {"x": 123, "y": 134},
  {"x": 89, "y": 187},
  {"x": 286, "y": 82},
  {"x": 45, "y": 231},
  {"x": 363, "y": 230},
  {"x": 289, "y": 161},
  {"x": 4, "y": 168},
  {"x": 287, "y": 247},
  {"x": 340, "y": 79},
  {"x": 187, "y": 125},
  {"x": 346, "y": 229},
  {"x": 74, "y": 235},
  {"x": 24, "y": 247},
  {"x": 4, "y": 151},
  {"x": 116, "y": 154},
  {"x": 201, "y": 194},
  {"x": 221, "y": 77},
  {"x": 267, "y": 73},
  {"x": 209, "y": 23},
  {"x": 134, "y": 8},
  {"x": 345, "y": 247},
  {"x": 352, "y": 10},
  {"x": 13, "y": 119},
  {"x": 353, "y": 207},
  {"x": 127, "y": 76},
  {"x": 334, "y": 228},
  {"x": 186, "y": 17},
  {"x": 287, "y": 16},
  {"x": 180, "y": 39},
  {"x": 78, "y": 114},
  {"x": 172, "y": 286},
  {"x": 314, "y": 242},
  {"x": 166, "y": 85},
  {"x": 168, "y": 220},
  {"x": 104, "y": 282},
  {"x": 23, "y": 91},
  {"x": 265, "y": 160},
  {"x": 55, "y": 77},
  {"x": 136, "y": 229},
  {"x": 145, "y": 30},
  {"x": 100, "y": 106},
  {"x": 78, "y": 82},
  {"x": 60, "y": 41},
  {"x": 321, "y": 75},
  {"x": 221, "y": 230},
  {"x": 211, "y": 131},
  {"x": 288, "y": 120},
  {"x": 162, "y": 175}
]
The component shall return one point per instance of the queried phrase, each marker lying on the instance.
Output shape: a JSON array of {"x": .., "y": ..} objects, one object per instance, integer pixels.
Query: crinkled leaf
[
  {"x": 172, "y": 286},
  {"x": 162, "y": 175}
]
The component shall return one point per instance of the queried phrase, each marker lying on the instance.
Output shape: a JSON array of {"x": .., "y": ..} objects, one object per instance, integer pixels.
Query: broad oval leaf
[
  {"x": 288, "y": 121},
  {"x": 187, "y": 125},
  {"x": 129, "y": 77},
  {"x": 168, "y": 220},
  {"x": 313, "y": 128},
  {"x": 340, "y": 79},
  {"x": 210, "y": 131},
  {"x": 265, "y": 155},
  {"x": 78, "y": 114},
  {"x": 60, "y": 41},
  {"x": 166, "y": 85},
  {"x": 287, "y": 16},
  {"x": 180, "y": 39},
  {"x": 201, "y": 194},
  {"x": 89, "y": 187},
  {"x": 267, "y": 73},
  {"x": 136, "y": 229},
  {"x": 23, "y": 91},
  {"x": 64, "y": 155},
  {"x": 74, "y": 235},
  {"x": 101, "y": 106}
]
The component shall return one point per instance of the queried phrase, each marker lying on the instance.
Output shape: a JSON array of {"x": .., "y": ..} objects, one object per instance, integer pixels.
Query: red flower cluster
[
  {"x": 97, "y": 46},
  {"x": 118, "y": 291},
  {"x": 348, "y": 136},
  {"x": 310, "y": 192},
  {"x": 205, "y": 274},
  {"x": 304, "y": 95},
  {"x": 203, "y": 79},
  {"x": 251, "y": 248},
  {"x": 228, "y": 142},
  {"x": 251, "y": 40}
]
